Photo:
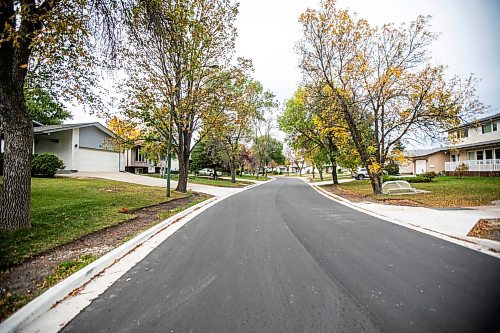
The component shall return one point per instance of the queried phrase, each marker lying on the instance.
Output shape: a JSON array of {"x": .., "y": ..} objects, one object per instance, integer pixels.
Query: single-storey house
[
  {"x": 82, "y": 147},
  {"x": 420, "y": 161}
]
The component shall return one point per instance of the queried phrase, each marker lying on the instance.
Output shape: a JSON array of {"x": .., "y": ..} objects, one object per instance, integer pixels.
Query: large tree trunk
[
  {"x": 17, "y": 126},
  {"x": 15, "y": 193},
  {"x": 376, "y": 182},
  {"x": 320, "y": 171},
  {"x": 183, "y": 155},
  {"x": 232, "y": 167},
  {"x": 334, "y": 172}
]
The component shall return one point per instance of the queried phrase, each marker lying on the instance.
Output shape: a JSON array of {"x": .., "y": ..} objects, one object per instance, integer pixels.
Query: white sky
[{"x": 469, "y": 41}]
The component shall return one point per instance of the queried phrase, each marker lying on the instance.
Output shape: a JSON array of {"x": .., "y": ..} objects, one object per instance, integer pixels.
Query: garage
[
  {"x": 81, "y": 147},
  {"x": 94, "y": 160},
  {"x": 420, "y": 166}
]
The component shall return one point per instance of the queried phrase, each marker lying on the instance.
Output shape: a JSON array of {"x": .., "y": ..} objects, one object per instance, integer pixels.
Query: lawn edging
[
  {"x": 479, "y": 245},
  {"x": 78, "y": 280}
]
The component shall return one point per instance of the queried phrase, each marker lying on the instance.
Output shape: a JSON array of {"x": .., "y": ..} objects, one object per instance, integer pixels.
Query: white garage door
[
  {"x": 94, "y": 160},
  {"x": 420, "y": 166}
]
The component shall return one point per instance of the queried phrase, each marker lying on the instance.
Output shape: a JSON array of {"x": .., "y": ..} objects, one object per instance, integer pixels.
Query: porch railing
[{"x": 475, "y": 165}]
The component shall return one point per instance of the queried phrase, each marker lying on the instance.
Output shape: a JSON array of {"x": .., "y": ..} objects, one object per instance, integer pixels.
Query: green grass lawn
[
  {"x": 252, "y": 177},
  {"x": 64, "y": 209},
  {"x": 208, "y": 181},
  {"x": 445, "y": 191}
]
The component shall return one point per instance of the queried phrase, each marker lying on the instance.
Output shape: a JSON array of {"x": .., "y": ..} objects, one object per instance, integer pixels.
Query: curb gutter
[
  {"x": 466, "y": 242},
  {"x": 70, "y": 286}
]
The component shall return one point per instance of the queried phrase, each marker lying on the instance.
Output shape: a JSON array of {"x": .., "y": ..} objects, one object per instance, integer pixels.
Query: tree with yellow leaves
[
  {"x": 312, "y": 120},
  {"x": 383, "y": 80}
]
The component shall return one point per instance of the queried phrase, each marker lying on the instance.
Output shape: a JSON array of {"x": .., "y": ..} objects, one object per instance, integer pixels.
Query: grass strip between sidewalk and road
[
  {"x": 64, "y": 209},
  {"x": 74, "y": 222},
  {"x": 220, "y": 182},
  {"x": 446, "y": 191}
]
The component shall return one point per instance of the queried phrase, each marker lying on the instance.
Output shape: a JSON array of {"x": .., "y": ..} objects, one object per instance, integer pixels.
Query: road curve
[{"x": 283, "y": 258}]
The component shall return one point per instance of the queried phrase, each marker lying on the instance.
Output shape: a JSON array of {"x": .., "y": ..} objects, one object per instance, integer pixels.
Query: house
[
  {"x": 136, "y": 162},
  {"x": 475, "y": 144},
  {"x": 82, "y": 147},
  {"x": 420, "y": 161}
]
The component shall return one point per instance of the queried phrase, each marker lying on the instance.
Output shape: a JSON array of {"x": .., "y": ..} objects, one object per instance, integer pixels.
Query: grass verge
[
  {"x": 207, "y": 181},
  {"x": 64, "y": 209},
  {"x": 445, "y": 192}
]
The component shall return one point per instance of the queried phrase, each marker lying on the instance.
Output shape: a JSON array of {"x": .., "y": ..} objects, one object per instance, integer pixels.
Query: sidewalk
[
  {"x": 452, "y": 222},
  {"x": 152, "y": 181}
]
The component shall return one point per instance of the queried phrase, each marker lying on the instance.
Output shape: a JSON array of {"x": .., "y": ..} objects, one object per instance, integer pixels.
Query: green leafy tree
[
  {"x": 43, "y": 108},
  {"x": 176, "y": 54}
]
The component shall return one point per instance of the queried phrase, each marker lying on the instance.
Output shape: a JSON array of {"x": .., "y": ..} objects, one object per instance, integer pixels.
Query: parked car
[
  {"x": 206, "y": 172},
  {"x": 361, "y": 174}
]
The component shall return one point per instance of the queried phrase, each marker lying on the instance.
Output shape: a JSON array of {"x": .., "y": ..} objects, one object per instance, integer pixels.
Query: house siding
[
  {"x": 62, "y": 148},
  {"x": 92, "y": 137}
]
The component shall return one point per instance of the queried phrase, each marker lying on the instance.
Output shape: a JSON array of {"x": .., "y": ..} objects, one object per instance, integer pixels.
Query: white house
[
  {"x": 475, "y": 144},
  {"x": 82, "y": 147}
]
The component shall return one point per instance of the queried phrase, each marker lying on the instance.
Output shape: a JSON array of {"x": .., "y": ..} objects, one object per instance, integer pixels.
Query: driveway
[
  {"x": 283, "y": 258},
  {"x": 152, "y": 181}
]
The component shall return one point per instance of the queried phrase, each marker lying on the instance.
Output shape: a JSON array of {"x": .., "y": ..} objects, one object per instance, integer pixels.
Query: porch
[{"x": 491, "y": 165}]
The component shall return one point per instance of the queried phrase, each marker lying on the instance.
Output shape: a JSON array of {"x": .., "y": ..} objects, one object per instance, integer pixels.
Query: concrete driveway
[{"x": 152, "y": 181}]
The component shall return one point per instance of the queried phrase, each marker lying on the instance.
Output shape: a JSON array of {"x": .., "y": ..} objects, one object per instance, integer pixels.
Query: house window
[
  {"x": 489, "y": 154},
  {"x": 463, "y": 133},
  {"x": 455, "y": 158},
  {"x": 486, "y": 128},
  {"x": 494, "y": 125},
  {"x": 138, "y": 156},
  {"x": 470, "y": 156},
  {"x": 479, "y": 155},
  {"x": 497, "y": 154}
]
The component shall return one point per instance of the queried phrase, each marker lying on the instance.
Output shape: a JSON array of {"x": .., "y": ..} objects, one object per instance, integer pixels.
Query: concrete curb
[
  {"x": 468, "y": 242},
  {"x": 50, "y": 298}
]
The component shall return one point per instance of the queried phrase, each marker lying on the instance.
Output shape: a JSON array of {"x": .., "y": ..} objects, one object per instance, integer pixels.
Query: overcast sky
[{"x": 469, "y": 41}]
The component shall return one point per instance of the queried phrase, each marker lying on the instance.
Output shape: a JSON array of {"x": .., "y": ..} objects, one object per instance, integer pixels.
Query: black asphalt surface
[{"x": 283, "y": 258}]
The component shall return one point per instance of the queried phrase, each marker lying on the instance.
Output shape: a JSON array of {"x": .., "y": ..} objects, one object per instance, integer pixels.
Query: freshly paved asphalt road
[{"x": 283, "y": 258}]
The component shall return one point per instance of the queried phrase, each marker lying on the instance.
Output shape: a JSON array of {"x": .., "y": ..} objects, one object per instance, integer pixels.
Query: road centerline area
[{"x": 282, "y": 258}]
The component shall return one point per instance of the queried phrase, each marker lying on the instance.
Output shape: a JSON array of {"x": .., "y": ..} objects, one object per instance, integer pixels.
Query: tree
[
  {"x": 36, "y": 39},
  {"x": 318, "y": 156},
  {"x": 127, "y": 133},
  {"x": 383, "y": 81},
  {"x": 206, "y": 154},
  {"x": 312, "y": 121},
  {"x": 175, "y": 57},
  {"x": 267, "y": 149},
  {"x": 43, "y": 108},
  {"x": 242, "y": 101}
]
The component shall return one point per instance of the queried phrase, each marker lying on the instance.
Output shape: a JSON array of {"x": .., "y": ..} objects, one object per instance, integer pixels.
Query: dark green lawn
[
  {"x": 445, "y": 191},
  {"x": 64, "y": 209},
  {"x": 208, "y": 181}
]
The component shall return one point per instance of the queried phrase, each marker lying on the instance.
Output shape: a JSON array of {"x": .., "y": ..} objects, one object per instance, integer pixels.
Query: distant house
[
  {"x": 82, "y": 147},
  {"x": 136, "y": 162},
  {"x": 475, "y": 144},
  {"x": 420, "y": 161}
]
